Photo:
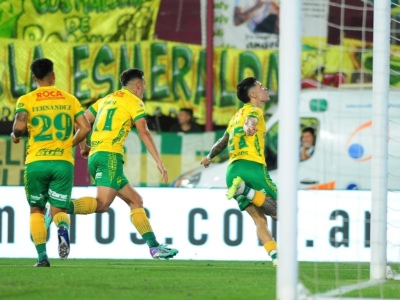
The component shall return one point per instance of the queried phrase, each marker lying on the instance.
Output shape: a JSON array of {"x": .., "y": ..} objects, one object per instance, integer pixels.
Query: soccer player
[
  {"x": 49, "y": 115},
  {"x": 112, "y": 118},
  {"x": 247, "y": 177}
]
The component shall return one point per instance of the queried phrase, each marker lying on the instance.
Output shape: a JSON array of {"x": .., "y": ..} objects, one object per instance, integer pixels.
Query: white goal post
[{"x": 380, "y": 123}]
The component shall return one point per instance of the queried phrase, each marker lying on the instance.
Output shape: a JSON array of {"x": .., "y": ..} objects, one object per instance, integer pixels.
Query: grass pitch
[{"x": 174, "y": 279}]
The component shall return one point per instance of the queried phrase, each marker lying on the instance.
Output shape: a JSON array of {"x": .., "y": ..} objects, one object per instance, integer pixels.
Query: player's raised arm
[
  {"x": 216, "y": 149},
  {"x": 250, "y": 125},
  {"x": 146, "y": 138}
]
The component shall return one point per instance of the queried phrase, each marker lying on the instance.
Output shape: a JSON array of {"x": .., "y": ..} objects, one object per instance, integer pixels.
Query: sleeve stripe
[
  {"x": 79, "y": 113},
  {"x": 139, "y": 116},
  {"x": 21, "y": 110},
  {"x": 93, "y": 111}
]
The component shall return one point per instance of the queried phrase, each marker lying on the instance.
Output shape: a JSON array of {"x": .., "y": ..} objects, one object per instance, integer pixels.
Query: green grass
[{"x": 174, "y": 279}]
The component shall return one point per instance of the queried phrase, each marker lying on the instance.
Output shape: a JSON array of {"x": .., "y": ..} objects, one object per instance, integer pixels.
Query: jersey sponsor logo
[
  {"x": 96, "y": 143},
  {"x": 57, "y": 196},
  {"x": 98, "y": 175},
  {"x": 50, "y": 152},
  {"x": 119, "y": 94},
  {"x": 51, "y": 107},
  {"x": 47, "y": 95},
  {"x": 240, "y": 153}
]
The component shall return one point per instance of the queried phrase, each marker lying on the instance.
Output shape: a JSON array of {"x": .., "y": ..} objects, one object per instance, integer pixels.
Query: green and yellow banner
[
  {"x": 80, "y": 21},
  {"x": 175, "y": 73}
]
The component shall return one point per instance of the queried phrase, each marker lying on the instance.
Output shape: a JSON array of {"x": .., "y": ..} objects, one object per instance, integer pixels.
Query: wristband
[{"x": 209, "y": 157}]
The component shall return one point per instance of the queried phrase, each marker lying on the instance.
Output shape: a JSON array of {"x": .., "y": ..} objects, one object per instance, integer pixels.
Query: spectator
[
  {"x": 307, "y": 143},
  {"x": 261, "y": 16},
  {"x": 185, "y": 122}
]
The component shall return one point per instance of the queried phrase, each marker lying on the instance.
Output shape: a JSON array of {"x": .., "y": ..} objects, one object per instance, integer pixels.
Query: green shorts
[
  {"x": 255, "y": 175},
  {"x": 49, "y": 181},
  {"x": 107, "y": 169}
]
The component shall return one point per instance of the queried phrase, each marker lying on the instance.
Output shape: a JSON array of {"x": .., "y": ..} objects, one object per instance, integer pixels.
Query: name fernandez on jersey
[{"x": 51, "y": 107}]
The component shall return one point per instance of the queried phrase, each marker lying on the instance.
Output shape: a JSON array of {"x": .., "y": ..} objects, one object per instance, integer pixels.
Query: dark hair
[
  {"x": 129, "y": 75},
  {"x": 310, "y": 130},
  {"x": 188, "y": 111},
  {"x": 242, "y": 89},
  {"x": 41, "y": 67}
]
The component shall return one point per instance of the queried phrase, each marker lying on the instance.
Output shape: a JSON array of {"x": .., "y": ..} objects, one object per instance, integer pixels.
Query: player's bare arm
[
  {"x": 83, "y": 129},
  {"x": 216, "y": 149},
  {"x": 250, "y": 126},
  {"x": 19, "y": 126},
  {"x": 85, "y": 148},
  {"x": 146, "y": 138}
]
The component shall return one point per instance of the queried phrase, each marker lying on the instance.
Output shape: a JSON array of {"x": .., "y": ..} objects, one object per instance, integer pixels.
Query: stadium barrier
[{"x": 202, "y": 224}]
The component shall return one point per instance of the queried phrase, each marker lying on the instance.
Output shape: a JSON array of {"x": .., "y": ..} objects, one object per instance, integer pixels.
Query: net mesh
[{"x": 337, "y": 61}]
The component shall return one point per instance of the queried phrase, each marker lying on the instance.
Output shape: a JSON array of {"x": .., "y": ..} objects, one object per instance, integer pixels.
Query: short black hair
[
  {"x": 189, "y": 111},
  {"x": 242, "y": 89},
  {"x": 42, "y": 67},
  {"x": 310, "y": 130},
  {"x": 129, "y": 75}
]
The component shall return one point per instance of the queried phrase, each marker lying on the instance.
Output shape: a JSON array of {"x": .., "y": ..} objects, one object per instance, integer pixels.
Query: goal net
[{"x": 334, "y": 227}]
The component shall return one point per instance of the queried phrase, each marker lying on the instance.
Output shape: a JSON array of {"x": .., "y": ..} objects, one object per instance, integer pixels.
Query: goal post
[
  {"x": 379, "y": 160},
  {"x": 288, "y": 145}
]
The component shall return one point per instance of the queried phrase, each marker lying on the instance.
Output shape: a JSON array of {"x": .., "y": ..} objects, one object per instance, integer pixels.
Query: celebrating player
[
  {"x": 49, "y": 114},
  {"x": 247, "y": 173},
  {"x": 112, "y": 118}
]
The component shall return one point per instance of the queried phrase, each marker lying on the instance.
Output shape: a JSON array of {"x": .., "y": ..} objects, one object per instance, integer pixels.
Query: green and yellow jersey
[
  {"x": 115, "y": 115},
  {"x": 240, "y": 145},
  {"x": 51, "y": 118}
]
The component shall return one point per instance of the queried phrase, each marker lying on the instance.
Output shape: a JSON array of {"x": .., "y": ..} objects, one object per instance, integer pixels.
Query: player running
[
  {"x": 112, "y": 118},
  {"x": 49, "y": 114},
  {"x": 247, "y": 177}
]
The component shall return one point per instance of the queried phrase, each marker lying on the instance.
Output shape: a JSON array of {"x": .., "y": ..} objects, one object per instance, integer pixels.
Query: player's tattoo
[
  {"x": 21, "y": 116},
  {"x": 219, "y": 146},
  {"x": 18, "y": 128}
]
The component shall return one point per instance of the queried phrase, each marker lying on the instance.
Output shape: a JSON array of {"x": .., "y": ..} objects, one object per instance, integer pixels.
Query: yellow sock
[
  {"x": 259, "y": 199},
  {"x": 140, "y": 220},
  {"x": 83, "y": 205},
  {"x": 38, "y": 229},
  {"x": 61, "y": 219},
  {"x": 271, "y": 248}
]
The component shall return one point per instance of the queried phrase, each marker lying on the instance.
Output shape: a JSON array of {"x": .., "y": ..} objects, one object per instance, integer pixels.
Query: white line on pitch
[{"x": 349, "y": 288}]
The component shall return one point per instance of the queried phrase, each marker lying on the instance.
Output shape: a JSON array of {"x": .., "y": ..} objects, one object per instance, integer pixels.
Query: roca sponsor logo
[
  {"x": 49, "y": 94},
  {"x": 57, "y": 196}
]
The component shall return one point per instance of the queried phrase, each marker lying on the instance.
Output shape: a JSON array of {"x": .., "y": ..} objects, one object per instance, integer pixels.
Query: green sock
[
  {"x": 150, "y": 239},
  {"x": 71, "y": 208},
  {"x": 64, "y": 224},
  {"x": 41, "y": 250}
]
